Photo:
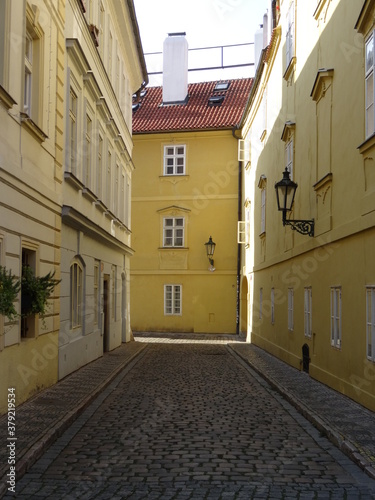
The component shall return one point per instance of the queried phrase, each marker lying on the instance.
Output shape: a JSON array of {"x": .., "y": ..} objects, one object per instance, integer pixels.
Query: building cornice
[{"x": 75, "y": 219}]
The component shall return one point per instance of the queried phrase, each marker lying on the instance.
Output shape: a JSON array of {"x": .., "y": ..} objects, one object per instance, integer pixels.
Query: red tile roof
[{"x": 151, "y": 116}]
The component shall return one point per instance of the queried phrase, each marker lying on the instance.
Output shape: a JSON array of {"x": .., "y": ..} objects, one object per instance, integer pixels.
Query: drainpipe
[{"x": 239, "y": 218}]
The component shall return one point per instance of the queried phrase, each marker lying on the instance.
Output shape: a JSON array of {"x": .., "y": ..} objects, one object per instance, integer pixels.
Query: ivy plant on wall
[
  {"x": 35, "y": 291},
  {"x": 9, "y": 288}
]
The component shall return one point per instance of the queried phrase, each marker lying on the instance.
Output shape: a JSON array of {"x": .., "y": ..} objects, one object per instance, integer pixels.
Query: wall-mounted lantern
[
  {"x": 285, "y": 193},
  {"x": 210, "y": 249}
]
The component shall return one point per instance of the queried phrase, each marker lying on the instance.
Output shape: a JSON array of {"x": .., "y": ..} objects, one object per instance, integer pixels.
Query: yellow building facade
[
  {"x": 311, "y": 298},
  {"x": 68, "y": 69},
  {"x": 185, "y": 189},
  {"x": 31, "y": 50}
]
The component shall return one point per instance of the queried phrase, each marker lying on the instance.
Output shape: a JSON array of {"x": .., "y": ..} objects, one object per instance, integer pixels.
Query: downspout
[{"x": 239, "y": 218}]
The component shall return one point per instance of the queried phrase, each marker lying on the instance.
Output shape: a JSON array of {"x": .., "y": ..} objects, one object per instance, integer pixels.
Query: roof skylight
[{"x": 221, "y": 86}]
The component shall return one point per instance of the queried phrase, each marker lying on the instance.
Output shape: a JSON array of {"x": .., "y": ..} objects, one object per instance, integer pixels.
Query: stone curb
[
  {"x": 48, "y": 438},
  {"x": 349, "y": 448}
]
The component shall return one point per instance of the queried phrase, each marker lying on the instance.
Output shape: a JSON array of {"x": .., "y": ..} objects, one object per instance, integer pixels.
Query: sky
[{"x": 207, "y": 23}]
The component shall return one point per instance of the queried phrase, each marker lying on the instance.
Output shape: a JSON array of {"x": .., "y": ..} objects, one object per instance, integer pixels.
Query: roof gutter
[{"x": 138, "y": 41}]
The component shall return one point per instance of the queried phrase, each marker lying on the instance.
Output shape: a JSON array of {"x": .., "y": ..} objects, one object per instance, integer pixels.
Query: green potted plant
[
  {"x": 9, "y": 288},
  {"x": 35, "y": 291}
]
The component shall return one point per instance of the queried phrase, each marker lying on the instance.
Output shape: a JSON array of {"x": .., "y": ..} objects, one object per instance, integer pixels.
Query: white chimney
[
  {"x": 258, "y": 45},
  {"x": 175, "y": 68}
]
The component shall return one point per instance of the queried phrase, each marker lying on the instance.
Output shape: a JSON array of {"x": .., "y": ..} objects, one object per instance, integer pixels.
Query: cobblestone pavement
[
  {"x": 192, "y": 421},
  {"x": 44, "y": 417}
]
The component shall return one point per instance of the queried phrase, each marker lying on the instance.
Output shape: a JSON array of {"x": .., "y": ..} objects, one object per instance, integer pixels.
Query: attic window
[
  {"x": 215, "y": 100},
  {"x": 221, "y": 86}
]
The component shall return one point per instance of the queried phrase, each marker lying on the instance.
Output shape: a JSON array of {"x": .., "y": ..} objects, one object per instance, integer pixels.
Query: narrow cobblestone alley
[{"x": 190, "y": 421}]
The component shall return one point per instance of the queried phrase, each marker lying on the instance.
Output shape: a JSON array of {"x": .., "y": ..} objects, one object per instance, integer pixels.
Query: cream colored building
[
  {"x": 68, "y": 69},
  {"x": 31, "y": 141},
  {"x": 104, "y": 67},
  {"x": 185, "y": 189},
  {"x": 311, "y": 299}
]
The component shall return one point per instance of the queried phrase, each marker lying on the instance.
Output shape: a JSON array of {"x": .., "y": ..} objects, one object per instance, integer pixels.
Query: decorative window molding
[
  {"x": 322, "y": 82},
  {"x": 6, "y": 98},
  {"x": 320, "y": 13},
  {"x": 365, "y": 20},
  {"x": 77, "y": 55}
]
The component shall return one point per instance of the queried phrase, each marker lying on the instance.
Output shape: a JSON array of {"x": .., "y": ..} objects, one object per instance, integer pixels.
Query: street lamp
[
  {"x": 210, "y": 249},
  {"x": 285, "y": 193}
]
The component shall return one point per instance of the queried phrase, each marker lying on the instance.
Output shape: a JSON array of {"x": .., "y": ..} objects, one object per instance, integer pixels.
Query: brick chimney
[{"x": 175, "y": 69}]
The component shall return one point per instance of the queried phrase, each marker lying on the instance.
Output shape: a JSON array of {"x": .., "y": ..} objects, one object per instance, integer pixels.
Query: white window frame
[
  {"x": 173, "y": 232},
  {"x": 336, "y": 317},
  {"x": 174, "y": 159},
  {"x": 87, "y": 174},
  {"x": 28, "y": 85},
  {"x": 263, "y": 199},
  {"x": 113, "y": 293},
  {"x": 73, "y": 127},
  {"x": 4, "y": 42},
  {"x": 76, "y": 295},
  {"x": 290, "y": 36},
  {"x": 308, "y": 312},
  {"x": 172, "y": 300},
  {"x": 290, "y": 309},
  {"x": 108, "y": 176},
  {"x": 369, "y": 85},
  {"x": 370, "y": 323},
  {"x": 100, "y": 163},
  {"x": 97, "y": 292},
  {"x": 33, "y": 68},
  {"x": 289, "y": 157},
  {"x": 244, "y": 151}
]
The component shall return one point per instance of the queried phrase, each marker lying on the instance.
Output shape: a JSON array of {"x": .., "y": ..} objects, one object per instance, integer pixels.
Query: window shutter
[{"x": 241, "y": 232}]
